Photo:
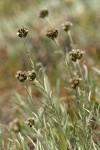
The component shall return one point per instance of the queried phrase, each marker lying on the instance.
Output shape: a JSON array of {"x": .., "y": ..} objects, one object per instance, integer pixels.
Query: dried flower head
[
  {"x": 67, "y": 26},
  {"x": 22, "y": 32},
  {"x": 31, "y": 75},
  {"x": 15, "y": 125},
  {"x": 43, "y": 13},
  {"x": 30, "y": 122},
  {"x": 75, "y": 81},
  {"x": 51, "y": 33},
  {"x": 75, "y": 54},
  {"x": 21, "y": 76}
]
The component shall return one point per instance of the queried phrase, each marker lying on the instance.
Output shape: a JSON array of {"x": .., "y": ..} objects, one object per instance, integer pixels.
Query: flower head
[
  {"x": 22, "y": 32},
  {"x": 75, "y": 81},
  {"x": 75, "y": 54},
  {"x": 31, "y": 75},
  {"x": 51, "y": 33},
  {"x": 67, "y": 26},
  {"x": 30, "y": 122},
  {"x": 21, "y": 76},
  {"x": 43, "y": 13}
]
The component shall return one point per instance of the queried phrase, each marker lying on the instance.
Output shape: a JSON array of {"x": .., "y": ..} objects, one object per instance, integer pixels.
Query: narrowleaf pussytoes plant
[{"x": 54, "y": 126}]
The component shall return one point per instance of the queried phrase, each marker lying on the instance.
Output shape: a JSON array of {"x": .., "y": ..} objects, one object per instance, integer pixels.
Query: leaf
[
  {"x": 96, "y": 70},
  {"x": 46, "y": 83},
  {"x": 31, "y": 141},
  {"x": 62, "y": 141},
  {"x": 86, "y": 72},
  {"x": 89, "y": 97}
]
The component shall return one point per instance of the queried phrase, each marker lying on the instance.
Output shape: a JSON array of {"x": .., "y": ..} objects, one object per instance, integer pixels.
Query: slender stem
[
  {"x": 65, "y": 57},
  {"x": 29, "y": 94},
  {"x": 59, "y": 47},
  {"x": 49, "y": 22},
  {"x": 71, "y": 40},
  {"x": 27, "y": 53},
  {"x": 79, "y": 67}
]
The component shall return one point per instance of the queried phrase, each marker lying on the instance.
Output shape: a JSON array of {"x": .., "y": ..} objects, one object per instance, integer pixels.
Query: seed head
[
  {"x": 67, "y": 26},
  {"x": 30, "y": 122},
  {"x": 31, "y": 75},
  {"x": 15, "y": 125},
  {"x": 75, "y": 81},
  {"x": 21, "y": 76},
  {"x": 51, "y": 33},
  {"x": 22, "y": 32},
  {"x": 43, "y": 13},
  {"x": 75, "y": 54}
]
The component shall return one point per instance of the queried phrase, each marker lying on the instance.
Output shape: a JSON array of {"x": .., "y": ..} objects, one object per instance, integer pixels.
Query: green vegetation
[{"x": 58, "y": 105}]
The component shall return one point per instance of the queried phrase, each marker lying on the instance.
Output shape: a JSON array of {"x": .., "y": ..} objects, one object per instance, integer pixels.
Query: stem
[
  {"x": 71, "y": 40},
  {"x": 65, "y": 57},
  {"x": 27, "y": 53},
  {"x": 59, "y": 47},
  {"x": 49, "y": 22},
  {"x": 29, "y": 95},
  {"x": 80, "y": 70}
]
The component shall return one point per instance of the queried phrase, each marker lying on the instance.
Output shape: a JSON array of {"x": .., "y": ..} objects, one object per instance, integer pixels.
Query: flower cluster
[
  {"x": 51, "y": 33},
  {"x": 31, "y": 75},
  {"x": 22, "y": 75},
  {"x": 75, "y": 54},
  {"x": 67, "y": 26},
  {"x": 75, "y": 81},
  {"x": 30, "y": 122},
  {"x": 43, "y": 13},
  {"x": 22, "y": 32}
]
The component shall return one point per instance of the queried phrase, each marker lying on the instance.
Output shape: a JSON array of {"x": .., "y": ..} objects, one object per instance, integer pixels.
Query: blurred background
[{"x": 84, "y": 14}]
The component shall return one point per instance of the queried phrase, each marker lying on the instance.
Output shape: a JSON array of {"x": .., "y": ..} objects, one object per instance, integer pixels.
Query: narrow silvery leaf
[
  {"x": 86, "y": 72},
  {"x": 46, "y": 83},
  {"x": 89, "y": 97},
  {"x": 96, "y": 70}
]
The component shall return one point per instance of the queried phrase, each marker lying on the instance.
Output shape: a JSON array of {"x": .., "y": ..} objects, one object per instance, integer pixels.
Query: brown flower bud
[
  {"x": 22, "y": 32},
  {"x": 51, "y": 33},
  {"x": 75, "y": 54},
  {"x": 21, "y": 76},
  {"x": 31, "y": 75},
  {"x": 43, "y": 13},
  {"x": 67, "y": 26},
  {"x": 30, "y": 122},
  {"x": 75, "y": 81}
]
